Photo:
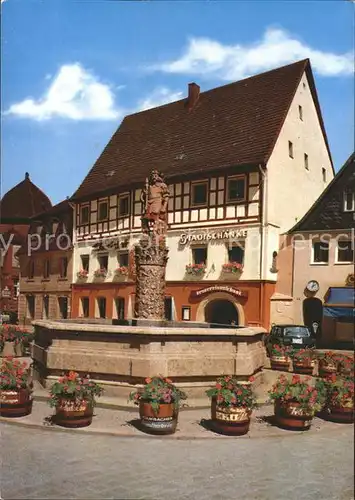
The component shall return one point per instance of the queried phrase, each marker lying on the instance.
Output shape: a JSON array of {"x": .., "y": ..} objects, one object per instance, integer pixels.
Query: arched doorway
[{"x": 221, "y": 311}]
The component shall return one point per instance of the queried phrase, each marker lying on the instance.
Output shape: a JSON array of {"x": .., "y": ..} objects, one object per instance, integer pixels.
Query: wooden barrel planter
[
  {"x": 280, "y": 363},
  {"x": 233, "y": 421},
  {"x": 164, "y": 421},
  {"x": 290, "y": 415},
  {"x": 8, "y": 349},
  {"x": 73, "y": 413},
  {"x": 304, "y": 367},
  {"x": 325, "y": 369},
  {"x": 341, "y": 414},
  {"x": 15, "y": 403}
]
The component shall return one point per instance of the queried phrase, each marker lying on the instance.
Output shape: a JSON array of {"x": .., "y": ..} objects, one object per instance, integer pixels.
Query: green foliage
[
  {"x": 14, "y": 375},
  {"x": 74, "y": 387},
  {"x": 228, "y": 392},
  {"x": 309, "y": 397},
  {"x": 337, "y": 390},
  {"x": 156, "y": 391}
]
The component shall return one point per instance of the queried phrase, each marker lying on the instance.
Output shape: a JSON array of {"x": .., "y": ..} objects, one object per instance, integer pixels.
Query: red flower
[
  {"x": 218, "y": 386},
  {"x": 251, "y": 379}
]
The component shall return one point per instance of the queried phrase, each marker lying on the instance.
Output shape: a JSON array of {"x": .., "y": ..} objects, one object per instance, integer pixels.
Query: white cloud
[
  {"x": 158, "y": 97},
  {"x": 74, "y": 93},
  {"x": 204, "y": 56}
]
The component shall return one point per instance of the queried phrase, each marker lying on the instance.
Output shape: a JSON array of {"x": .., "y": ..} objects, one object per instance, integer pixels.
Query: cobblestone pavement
[{"x": 41, "y": 464}]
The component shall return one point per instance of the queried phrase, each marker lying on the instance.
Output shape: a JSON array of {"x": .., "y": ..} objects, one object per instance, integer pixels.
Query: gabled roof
[
  {"x": 53, "y": 212},
  {"x": 23, "y": 201},
  {"x": 230, "y": 126},
  {"x": 319, "y": 208}
]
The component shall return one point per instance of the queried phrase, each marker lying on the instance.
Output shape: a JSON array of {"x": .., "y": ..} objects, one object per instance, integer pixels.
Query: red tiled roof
[
  {"x": 23, "y": 201},
  {"x": 233, "y": 125},
  {"x": 55, "y": 211}
]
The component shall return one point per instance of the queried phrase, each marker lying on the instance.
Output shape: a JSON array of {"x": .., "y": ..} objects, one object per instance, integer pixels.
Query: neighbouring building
[
  {"x": 16, "y": 209},
  {"x": 232, "y": 157},
  {"x": 316, "y": 261},
  {"x": 46, "y": 265}
]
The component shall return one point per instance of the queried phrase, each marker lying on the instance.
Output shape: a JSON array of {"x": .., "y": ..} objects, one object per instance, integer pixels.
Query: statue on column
[{"x": 155, "y": 198}]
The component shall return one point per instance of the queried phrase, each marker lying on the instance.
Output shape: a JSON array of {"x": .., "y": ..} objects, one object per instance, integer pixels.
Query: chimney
[
  {"x": 194, "y": 93},
  {"x": 27, "y": 175}
]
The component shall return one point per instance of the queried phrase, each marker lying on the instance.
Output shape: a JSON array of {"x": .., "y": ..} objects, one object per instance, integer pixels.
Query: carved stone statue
[{"x": 155, "y": 198}]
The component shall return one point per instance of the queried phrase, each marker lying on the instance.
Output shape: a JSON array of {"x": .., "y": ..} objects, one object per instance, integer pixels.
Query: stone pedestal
[{"x": 151, "y": 256}]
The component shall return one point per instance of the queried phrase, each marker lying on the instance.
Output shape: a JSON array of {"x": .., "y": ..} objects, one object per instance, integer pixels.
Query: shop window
[
  {"x": 63, "y": 267},
  {"x": 84, "y": 215},
  {"x": 199, "y": 255},
  {"x": 103, "y": 211},
  {"x": 349, "y": 200},
  {"x": 103, "y": 261},
  {"x": 236, "y": 189},
  {"x": 85, "y": 304},
  {"x": 236, "y": 254},
  {"x": 123, "y": 259},
  {"x": 345, "y": 251},
  {"x": 46, "y": 269},
  {"x": 290, "y": 149},
  {"x": 320, "y": 252},
  {"x": 120, "y": 307},
  {"x": 199, "y": 193},
  {"x": 168, "y": 307},
  {"x": 46, "y": 307},
  {"x": 63, "y": 307},
  {"x": 85, "y": 259},
  {"x": 123, "y": 206},
  {"x": 30, "y": 299},
  {"x": 101, "y": 306}
]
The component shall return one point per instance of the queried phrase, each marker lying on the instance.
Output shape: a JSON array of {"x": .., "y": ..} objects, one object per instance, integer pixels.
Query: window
[
  {"x": 120, "y": 307},
  {"x": 101, "y": 305},
  {"x": 123, "y": 259},
  {"x": 320, "y": 252},
  {"x": 85, "y": 259},
  {"x": 290, "y": 149},
  {"x": 84, "y": 215},
  {"x": 46, "y": 269},
  {"x": 324, "y": 174},
  {"x": 103, "y": 211},
  {"x": 123, "y": 206},
  {"x": 199, "y": 193},
  {"x": 31, "y": 269},
  {"x": 186, "y": 313},
  {"x": 30, "y": 299},
  {"x": 199, "y": 255},
  {"x": 63, "y": 267},
  {"x": 349, "y": 200},
  {"x": 168, "y": 308},
  {"x": 103, "y": 261},
  {"x": 236, "y": 254},
  {"x": 46, "y": 307},
  {"x": 63, "y": 307},
  {"x": 306, "y": 166},
  {"x": 345, "y": 251},
  {"x": 236, "y": 189},
  {"x": 85, "y": 306},
  {"x": 300, "y": 113}
]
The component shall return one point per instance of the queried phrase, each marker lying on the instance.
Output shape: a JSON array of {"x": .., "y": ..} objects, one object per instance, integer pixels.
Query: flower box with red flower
[
  {"x": 279, "y": 357},
  {"x": 327, "y": 363},
  {"x": 121, "y": 272},
  {"x": 12, "y": 340},
  {"x": 15, "y": 388},
  {"x": 73, "y": 398},
  {"x": 82, "y": 274},
  {"x": 296, "y": 402},
  {"x": 345, "y": 365},
  {"x": 339, "y": 398},
  {"x": 196, "y": 269},
  {"x": 159, "y": 401},
  {"x": 232, "y": 268},
  {"x": 303, "y": 361},
  {"x": 100, "y": 273},
  {"x": 232, "y": 403}
]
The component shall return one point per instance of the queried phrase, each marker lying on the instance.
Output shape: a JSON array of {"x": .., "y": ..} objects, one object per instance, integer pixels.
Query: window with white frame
[
  {"x": 345, "y": 251},
  {"x": 123, "y": 206},
  {"x": 236, "y": 189},
  {"x": 103, "y": 261},
  {"x": 349, "y": 200},
  {"x": 102, "y": 212},
  {"x": 199, "y": 255},
  {"x": 84, "y": 214},
  {"x": 123, "y": 259},
  {"x": 199, "y": 193},
  {"x": 320, "y": 252},
  {"x": 236, "y": 254},
  {"x": 85, "y": 259}
]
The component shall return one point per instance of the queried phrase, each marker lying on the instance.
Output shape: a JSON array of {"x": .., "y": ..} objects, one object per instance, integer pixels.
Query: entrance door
[
  {"x": 222, "y": 312},
  {"x": 63, "y": 307}
]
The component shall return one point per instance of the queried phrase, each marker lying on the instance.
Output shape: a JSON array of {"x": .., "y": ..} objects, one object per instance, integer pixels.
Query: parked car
[{"x": 297, "y": 336}]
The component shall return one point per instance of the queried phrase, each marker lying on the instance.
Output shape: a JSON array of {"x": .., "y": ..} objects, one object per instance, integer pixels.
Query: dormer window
[{"x": 349, "y": 200}]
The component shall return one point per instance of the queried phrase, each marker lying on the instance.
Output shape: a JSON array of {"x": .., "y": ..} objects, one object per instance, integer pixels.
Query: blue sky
[{"x": 72, "y": 69}]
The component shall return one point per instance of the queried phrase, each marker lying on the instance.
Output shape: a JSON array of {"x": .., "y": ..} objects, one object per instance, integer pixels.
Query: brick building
[
  {"x": 16, "y": 209},
  {"x": 46, "y": 265},
  {"x": 232, "y": 157}
]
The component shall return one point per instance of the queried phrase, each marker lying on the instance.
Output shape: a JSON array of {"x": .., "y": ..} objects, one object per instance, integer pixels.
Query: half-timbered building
[{"x": 243, "y": 162}]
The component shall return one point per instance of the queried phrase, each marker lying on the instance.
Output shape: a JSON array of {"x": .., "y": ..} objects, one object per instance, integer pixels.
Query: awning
[{"x": 340, "y": 304}]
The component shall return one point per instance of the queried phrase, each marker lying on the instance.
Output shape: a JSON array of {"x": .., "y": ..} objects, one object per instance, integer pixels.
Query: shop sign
[
  {"x": 219, "y": 288},
  {"x": 200, "y": 236}
]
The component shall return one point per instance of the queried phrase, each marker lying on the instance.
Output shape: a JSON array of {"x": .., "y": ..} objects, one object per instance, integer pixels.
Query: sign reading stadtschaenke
[
  {"x": 227, "y": 234},
  {"x": 219, "y": 288}
]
